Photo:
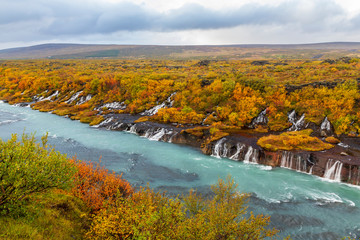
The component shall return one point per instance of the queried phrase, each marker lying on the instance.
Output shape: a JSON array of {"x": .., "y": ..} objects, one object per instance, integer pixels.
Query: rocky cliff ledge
[{"x": 341, "y": 163}]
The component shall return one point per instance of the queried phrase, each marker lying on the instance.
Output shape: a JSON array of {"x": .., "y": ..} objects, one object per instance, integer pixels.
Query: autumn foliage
[
  {"x": 96, "y": 185},
  {"x": 151, "y": 215},
  {"x": 230, "y": 93},
  {"x": 299, "y": 140}
]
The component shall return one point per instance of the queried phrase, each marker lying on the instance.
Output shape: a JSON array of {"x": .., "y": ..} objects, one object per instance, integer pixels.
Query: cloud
[{"x": 80, "y": 18}]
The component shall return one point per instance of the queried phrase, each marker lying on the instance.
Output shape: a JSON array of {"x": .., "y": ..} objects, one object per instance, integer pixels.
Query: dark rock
[
  {"x": 329, "y": 61},
  {"x": 261, "y": 119},
  {"x": 260, "y": 63},
  {"x": 206, "y": 82},
  {"x": 330, "y": 85},
  {"x": 203, "y": 63},
  {"x": 345, "y": 59}
]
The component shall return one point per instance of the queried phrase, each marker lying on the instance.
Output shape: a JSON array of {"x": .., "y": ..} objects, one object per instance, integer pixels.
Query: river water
[{"x": 300, "y": 205}]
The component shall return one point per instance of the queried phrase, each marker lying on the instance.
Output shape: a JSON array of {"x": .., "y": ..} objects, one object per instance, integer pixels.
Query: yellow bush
[{"x": 299, "y": 140}]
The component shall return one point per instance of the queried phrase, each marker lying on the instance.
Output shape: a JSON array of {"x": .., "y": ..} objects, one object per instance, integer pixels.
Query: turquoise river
[{"x": 300, "y": 205}]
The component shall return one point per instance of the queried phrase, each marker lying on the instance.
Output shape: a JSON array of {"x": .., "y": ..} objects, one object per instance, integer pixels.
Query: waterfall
[
  {"x": 325, "y": 125},
  {"x": 84, "y": 99},
  {"x": 248, "y": 155},
  {"x": 333, "y": 171},
  {"x": 301, "y": 165},
  {"x": 158, "y": 135},
  {"x": 148, "y": 133},
  {"x": 51, "y": 96},
  {"x": 292, "y": 116},
  {"x": 239, "y": 148},
  {"x": 115, "y": 126},
  {"x": 251, "y": 155},
  {"x": 217, "y": 148},
  {"x": 260, "y": 119},
  {"x": 154, "y": 110},
  {"x": 103, "y": 123},
  {"x": 112, "y": 106},
  {"x": 286, "y": 159},
  {"x": 296, "y": 124},
  {"x": 132, "y": 129},
  {"x": 349, "y": 178},
  {"x": 73, "y": 97},
  {"x": 311, "y": 169}
]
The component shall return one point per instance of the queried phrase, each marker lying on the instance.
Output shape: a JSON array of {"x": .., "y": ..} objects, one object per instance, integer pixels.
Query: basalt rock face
[
  {"x": 152, "y": 131},
  {"x": 298, "y": 122},
  {"x": 338, "y": 164},
  {"x": 342, "y": 163},
  {"x": 330, "y": 165}
]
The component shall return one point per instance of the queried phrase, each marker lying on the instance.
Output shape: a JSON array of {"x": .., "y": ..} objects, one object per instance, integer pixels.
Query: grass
[
  {"x": 298, "y": 140},
  {"x": 52, "y": 215}
]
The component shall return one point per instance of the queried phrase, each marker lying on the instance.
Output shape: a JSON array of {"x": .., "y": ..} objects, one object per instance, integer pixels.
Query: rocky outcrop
[
  {"x": 332, "y": 164},
  {"x": 342, "y": 163}
]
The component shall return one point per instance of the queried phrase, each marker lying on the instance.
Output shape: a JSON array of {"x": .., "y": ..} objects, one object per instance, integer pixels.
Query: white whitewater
[
  {"x": 84, "y": 99},
  {"x": 297, "y": 124},
  {"x": 311, "y": 169},
  {"x": 113, "y": 105},
  {"x": 333, "y": 170},
  {"x": 325, "y": 125},
  {"x": 103, "y": 123},
  {"x": 217, "y": 148},
  {"x": 55, "y": 94},
  {"x": 260, "y": 119},
  {"x": 251, "y": 155},
  {"x": 158, "y": 135},
  {"x": 133, "y": 129},
  {"x": 236, "y": 155},
  {"x": 286, "y": 159},
  {"x": 73, "y": 97},
  {"x": 152, "y": 111},
  {"x": 300, "y": 164}
]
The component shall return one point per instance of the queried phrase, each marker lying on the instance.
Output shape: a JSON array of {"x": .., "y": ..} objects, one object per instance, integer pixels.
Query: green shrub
[
  {"x": 150, "y": 215},
  {"x": 28, "y": 167}
]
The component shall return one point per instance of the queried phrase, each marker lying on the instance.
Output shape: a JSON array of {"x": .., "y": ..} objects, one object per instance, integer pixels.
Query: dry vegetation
[{"x": 224, "y": 95}]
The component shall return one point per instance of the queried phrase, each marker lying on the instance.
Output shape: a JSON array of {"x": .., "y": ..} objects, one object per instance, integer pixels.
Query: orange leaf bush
[{"x": 95, "y": 185}]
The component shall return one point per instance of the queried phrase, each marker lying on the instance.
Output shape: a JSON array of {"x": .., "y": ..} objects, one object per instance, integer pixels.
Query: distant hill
[{"x": 245, "y": 51}]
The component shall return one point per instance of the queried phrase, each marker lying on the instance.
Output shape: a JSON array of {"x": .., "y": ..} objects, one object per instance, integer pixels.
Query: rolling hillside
[{"x": 248, "y": 51}]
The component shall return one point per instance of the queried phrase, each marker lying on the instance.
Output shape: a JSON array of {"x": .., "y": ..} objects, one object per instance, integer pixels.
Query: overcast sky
[{"x": 29, "y": 22}]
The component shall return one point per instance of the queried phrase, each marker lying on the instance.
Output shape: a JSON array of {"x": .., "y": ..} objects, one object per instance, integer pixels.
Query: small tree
[
  {"x": 28, "y": 167},
  {"x": 150, "y": 215}
]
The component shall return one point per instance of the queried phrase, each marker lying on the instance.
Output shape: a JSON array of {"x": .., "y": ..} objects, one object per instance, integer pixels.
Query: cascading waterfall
[
  {"x": 301, "y": 165},
  {"x": 51, "y": 96},
  {"x": 84, "y": 99},
  {"x": 133, "y": 129},
  {"x": 167, "y": 103},
  {"x": 297, "y": 124},
  {"x": 248, "y": 155},
  {"x": 158, "y": 135},
  {"x": 350, "y": 169},
  {"x": 311, "y": 169},
  {"x": 239, "y": 148},
  {"x": 103, "y": 123},
  {"x": 73, "y": 97},
  {"x": 286, "y": 159},
  {"x": 148, "y": 133},
  {"x": 333, "y": 170},
  {"x": 251, "y": 155},
  {"x": 217, "y": 148}
]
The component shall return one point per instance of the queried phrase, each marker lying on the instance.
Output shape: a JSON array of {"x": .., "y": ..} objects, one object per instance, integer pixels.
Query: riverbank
[{"x": 340, "y": 163}]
